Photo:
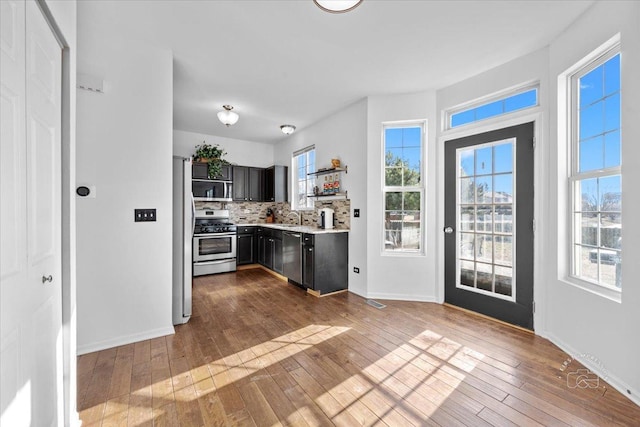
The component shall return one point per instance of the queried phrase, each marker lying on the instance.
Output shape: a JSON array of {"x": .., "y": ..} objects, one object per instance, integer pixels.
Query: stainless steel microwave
[{"x": 208, "y": 190}]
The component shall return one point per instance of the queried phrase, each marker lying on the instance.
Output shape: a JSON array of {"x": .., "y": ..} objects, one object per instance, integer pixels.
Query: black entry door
[{"x": 489, "y": 224}]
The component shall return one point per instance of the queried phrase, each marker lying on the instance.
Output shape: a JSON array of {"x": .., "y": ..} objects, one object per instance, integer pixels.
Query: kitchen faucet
[{"x": 298, "y": 215}]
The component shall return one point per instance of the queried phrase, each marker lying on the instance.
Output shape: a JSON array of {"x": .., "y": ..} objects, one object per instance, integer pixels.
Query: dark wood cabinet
[
  {"x": 270, "y": 249},
  {"x": 200, "y": 170},
  {"x": 246, "y": 248},
  {"x": 325, "y": 260},
  {"x": 248, "y": 184},
  {"x": 275, "y": 184}
]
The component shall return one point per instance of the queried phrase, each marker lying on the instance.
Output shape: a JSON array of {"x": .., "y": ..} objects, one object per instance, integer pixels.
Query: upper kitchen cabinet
[
  {"x": 275, "y": 187},
  {"x": 248, "y": 184},
  {"x": 200, "y": 171}
]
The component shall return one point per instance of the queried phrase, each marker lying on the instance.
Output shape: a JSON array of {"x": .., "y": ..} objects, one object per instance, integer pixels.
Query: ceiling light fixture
[
  {"x": 337, "y": 6},
  {"x": 288, "y": 129},
  {"x": 228, "y": 117}
]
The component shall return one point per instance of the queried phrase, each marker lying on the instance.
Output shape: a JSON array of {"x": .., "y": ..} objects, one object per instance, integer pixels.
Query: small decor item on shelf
[
  {"x": 335, "y": 163},
  {"x": 212, "y": 155},
  {"x": 336, "y": 184},
  {"x": 316, "y": 190},
  {"x": 326, "y": 185}
]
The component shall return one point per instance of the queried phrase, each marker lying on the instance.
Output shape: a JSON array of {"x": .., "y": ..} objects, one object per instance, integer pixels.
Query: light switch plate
[
  {"x": 356, "y": 213},
  {"x": 145, "y": 215}
]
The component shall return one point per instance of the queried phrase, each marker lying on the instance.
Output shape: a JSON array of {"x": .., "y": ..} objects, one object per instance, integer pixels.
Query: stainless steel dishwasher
[{"x": 292, "y": 255}]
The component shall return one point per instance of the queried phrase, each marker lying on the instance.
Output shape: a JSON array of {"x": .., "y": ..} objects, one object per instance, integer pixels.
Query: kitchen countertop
[{"x": 295, "y": 228}]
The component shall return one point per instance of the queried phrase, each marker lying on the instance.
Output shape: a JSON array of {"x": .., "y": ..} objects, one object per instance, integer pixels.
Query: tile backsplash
[{"x": 256, "y": 212}]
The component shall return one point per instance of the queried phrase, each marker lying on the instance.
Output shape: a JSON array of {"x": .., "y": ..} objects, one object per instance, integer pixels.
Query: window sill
[
  {"x": 403, "y": 254},
  {"x": 601, "y": 291}
]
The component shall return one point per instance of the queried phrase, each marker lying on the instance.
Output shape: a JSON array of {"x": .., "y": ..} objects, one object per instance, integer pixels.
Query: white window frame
[
  {"x": 422, "y": 124},
  {"x": 295, "y": 181},
  {"x": 594, "y": 60},
  {"x": 495, "y": 96}
]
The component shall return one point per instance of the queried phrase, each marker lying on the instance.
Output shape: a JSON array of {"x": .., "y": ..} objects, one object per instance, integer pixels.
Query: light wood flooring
[{"x": 259, "y": 351}]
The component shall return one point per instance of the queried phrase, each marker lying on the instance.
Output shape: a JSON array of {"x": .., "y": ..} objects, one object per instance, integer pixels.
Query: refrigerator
[{"x": 183, "y": 225}]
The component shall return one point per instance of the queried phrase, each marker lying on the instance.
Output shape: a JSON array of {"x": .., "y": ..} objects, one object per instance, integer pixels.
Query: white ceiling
[{"x": 287, "y": 61}]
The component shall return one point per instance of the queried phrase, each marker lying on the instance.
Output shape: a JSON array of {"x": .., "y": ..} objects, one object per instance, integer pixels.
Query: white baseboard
[
  {"x": 613, "y": 380},
  {"x": 122, "y": 340},
  {"x": 401, "y": 297}
]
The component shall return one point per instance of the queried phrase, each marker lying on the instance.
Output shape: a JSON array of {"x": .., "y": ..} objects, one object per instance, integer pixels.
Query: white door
[{"x": 30, "y": 269}]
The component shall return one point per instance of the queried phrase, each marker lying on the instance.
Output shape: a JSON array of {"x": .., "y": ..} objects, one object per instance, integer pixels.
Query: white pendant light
[
  {"x": 337, "y": 6},
  {"x": 287, "y": 129},
  {"x": 228, "y": 117}
]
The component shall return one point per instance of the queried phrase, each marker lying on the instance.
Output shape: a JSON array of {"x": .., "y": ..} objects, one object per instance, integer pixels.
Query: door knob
[
  {"x": 46, "y": 279},
  {"x": 448, "y": 230}
]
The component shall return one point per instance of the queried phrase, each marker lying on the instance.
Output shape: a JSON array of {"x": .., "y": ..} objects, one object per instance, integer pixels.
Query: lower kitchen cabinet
[
  {"x": 325, "y": 260},
  {"x": 247, "y": 245},
  {"x": 270, "y": 249}
]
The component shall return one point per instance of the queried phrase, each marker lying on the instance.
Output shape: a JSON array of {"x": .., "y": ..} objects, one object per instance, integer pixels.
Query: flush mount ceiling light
[
  {"x": 287, "y": 129},
  {"x": 228, "y": 117},
  {"x": 337, "y": 6}
]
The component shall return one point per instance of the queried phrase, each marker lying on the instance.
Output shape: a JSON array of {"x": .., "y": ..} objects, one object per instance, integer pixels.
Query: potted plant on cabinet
[{"x": 212, "y": 155}]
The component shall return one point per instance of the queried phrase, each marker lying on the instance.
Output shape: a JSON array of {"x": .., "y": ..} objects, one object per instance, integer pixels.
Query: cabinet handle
[
  {"x": 310, "y": 249},
  {"x": 46, "y": 279}
]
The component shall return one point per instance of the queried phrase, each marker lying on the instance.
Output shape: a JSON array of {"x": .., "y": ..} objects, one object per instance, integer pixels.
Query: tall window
[
  {"x": 304, "y": 162},
  {"x": 403, "y": 187},
  {"x": 596, "y": 173}
]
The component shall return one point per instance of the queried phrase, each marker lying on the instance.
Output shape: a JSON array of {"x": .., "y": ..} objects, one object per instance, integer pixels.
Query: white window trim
[
  {"x": 487, "y": 99},
  {"x": 568, "y": 132},
  {"x": 422, "y": 188},
  {"x": 294, "y": 179}
]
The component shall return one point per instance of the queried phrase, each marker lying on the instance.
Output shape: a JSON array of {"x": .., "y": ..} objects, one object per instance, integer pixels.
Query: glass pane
[
  {"x": 611, "y": 231},
  {"x": 411, "y": 136},
  {"x": 612, "y": 75},
  {"x": 592, "y": 120},
  {"x": 392, "y": 137},
  {"x": 412, "y": 200},
  {"x": 467, "y": 190},
  {"x": 588, "y": 223},
  {"x": 466, "y": 246},
  {"x": 393, "y": 157},
  {"x": 467, "y": 218},
  {"x": 484, "y": 218},
  {"x": 612, "y": 112},
  {"x": 503, "y": 280},
  {"x": 610, "y": 194},
  {"x": 520, "y": 101},
  {"x": 489, "y": 110},
  {"x": 484, "y": 190},
  {"x": 484, "y": 276},
  {"x": 587, "y": 193},
  {"x": 393, "y": 201},
  {"x": 503, "y": 219},
  {"x": 462, "y": 118},
  {"x": 503, "y": 188},
  {"x": 467, "y": 162},
  {"x": 484, "y": 162},
  {"x": 591, "y": 154},
  {"x": 503, "y": 250},
  {"x": 392, "y": 240},
  {"x": 411, "y": 231},
  {"x": 467, "y": 273},
  {"x": 612, "y": 149},
  {"x": 503, "y": 158},
  {"x": 587, "y": 262},
  {"x": 610, "y": 268},
  {"x": 393, "y": 176},
  {"x": 591, "y": 86},
  {"x": 411, "y": 161},
  {"x": 484, "y": 248}
]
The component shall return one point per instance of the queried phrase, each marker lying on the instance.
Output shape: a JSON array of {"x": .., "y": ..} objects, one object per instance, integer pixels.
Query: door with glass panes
[{"x": 489, "y": 224}]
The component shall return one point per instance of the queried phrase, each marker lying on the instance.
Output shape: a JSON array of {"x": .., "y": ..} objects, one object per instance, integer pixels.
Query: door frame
[{"x": 540, "y": 154}]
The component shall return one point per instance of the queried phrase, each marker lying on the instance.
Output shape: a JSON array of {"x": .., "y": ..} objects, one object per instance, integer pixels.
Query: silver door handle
[
  {"x": 46, "y": 279},
  {"x": 448, "y": 230}
]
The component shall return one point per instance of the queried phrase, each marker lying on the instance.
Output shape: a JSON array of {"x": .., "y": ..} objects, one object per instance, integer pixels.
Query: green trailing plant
[{"x": 213, "y": 156}]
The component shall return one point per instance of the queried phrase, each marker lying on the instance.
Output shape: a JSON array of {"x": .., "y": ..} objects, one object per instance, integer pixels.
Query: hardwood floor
[{"x": 259, "y": 351}]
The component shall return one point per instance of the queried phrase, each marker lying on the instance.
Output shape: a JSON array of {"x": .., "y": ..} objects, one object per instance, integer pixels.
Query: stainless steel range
[{"x": 214, "y": 242}]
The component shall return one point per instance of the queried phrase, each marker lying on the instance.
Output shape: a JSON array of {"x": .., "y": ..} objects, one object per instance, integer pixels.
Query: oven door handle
[{"x": 208, "y": 235}]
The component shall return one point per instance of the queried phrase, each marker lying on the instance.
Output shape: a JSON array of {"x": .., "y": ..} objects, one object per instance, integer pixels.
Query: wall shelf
[
  {"x": 322, "y": 195},
  {"x": 330, "y": 170}
]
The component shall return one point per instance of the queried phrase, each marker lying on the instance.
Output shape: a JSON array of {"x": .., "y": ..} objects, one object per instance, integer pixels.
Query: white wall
[
  {"x": 245, "y": 153},
  {"x": 341, "y": 135},
  {"x": 125, "y": 150},
  {"x": 405, "y": 277},
  {"x": 579, "y": 321}
]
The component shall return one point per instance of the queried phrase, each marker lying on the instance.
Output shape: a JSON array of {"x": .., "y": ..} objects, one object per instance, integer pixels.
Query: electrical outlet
[
  {"x": 145, "y": 215},
  {"x": 356, "y": 270},
  {"x": 356, "y": 213}
]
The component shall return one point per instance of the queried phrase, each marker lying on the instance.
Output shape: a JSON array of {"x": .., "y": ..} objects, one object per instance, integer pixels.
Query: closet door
[{"x": 30, "y": 269}]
